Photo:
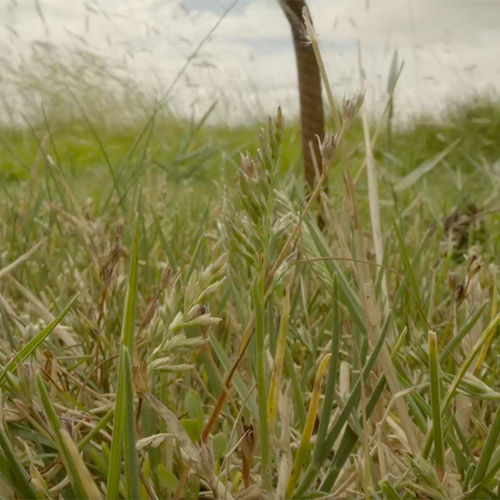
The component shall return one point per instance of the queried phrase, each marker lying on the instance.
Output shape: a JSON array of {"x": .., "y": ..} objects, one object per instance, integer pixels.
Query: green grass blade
[
  {"x": 324, "y": 422},
  {"x": 238, "y": 381},
  {"x": 121, "y": 427},
  {"x": 275, "y": 385},
  {"x": 332, "y": 375},
  {"x": 418, "y": 172},
  {"x": 129, "y": 439},
  {"x": 460, "y": 375},
  {"x": 435, "y": 391},
  {"x": 485, "y": 458},
  {"x": 305, "y": 440},
  {"x": 349, "y": 440},
  {"x": 128, "y": 325},
  {"x": 80, "y": 477},
  {"x": 349, "y": 296},
  {"x": 355, "y": 396},
  {"x": 198, "y": 240},
  {"x": 34, "y": 343},
  {"x": 494, "y": 466},
  {"x": 80, "y": 468},
  {"x": 407, "y": 264},
  {"x": 104, "y": 153},
  {"x": 262, "y": 377},
  {"x": 389, "y": 491},
  {"x": 12, "y": 470},
  {"x": 351, "y": 405},
  {"x": 165, "y": 245},
  {"x": 97, "y": 429},
  {"x": 456, "y": 340}
]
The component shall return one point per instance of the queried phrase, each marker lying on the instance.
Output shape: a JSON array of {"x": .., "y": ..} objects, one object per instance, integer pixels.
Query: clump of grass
[{"x": 158, "y": 342}]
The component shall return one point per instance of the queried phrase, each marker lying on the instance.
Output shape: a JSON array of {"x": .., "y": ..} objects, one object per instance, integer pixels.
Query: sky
[{"x": 450, "y": 48}]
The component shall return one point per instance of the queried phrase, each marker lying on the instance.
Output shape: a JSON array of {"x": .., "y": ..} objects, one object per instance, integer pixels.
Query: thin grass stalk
[
  {"x": 408, "y": 266},
  {"x": 379, "y": 126},
  {"x": 389, "y": 491},
  {"x": 286, "y": 458},
  {"x": 392, "y": 81},
  {"x": 262, "y": 380},
  {"x": 374, "y": 205},
  {"x": 300, "y": 406},
  {"x": 107, "y": 160},
  {"x": 309, "y": 427},
  {"x": 279, "y": 359},
  {"x": 129, "y": 439},
  {"x": 20, "y": 260},
  {"x": 121, "y": 428},
  {"x": 465, "y": 330},
  {"x": 435, "y": 392},
  {"x": 373, "y": 197},
  {"x": 238, "y": 381},
  {"x": 348, "y": 295},
  {"x": 477, "y": 481},
  {"x": 487, "y": 344},
  {"x": 332, "y": 375},
  {"x": 96, "y": 430}
]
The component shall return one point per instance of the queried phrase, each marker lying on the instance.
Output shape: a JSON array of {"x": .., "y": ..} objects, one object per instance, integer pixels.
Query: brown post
[{"x": 311, "y": 100}]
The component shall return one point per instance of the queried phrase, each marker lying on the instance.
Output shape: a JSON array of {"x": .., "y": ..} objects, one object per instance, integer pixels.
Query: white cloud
[{"x": 449, "y": 46}]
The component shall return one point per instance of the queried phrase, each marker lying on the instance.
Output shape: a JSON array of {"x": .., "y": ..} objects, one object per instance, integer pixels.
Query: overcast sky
[{"x": 450, "y": 48}]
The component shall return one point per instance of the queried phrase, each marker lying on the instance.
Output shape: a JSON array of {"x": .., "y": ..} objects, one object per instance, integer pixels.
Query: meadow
[{"x": 174, "y": 324}]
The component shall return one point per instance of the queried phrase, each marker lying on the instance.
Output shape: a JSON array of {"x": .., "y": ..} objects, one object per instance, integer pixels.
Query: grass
[{"x": 175, "y": 325}]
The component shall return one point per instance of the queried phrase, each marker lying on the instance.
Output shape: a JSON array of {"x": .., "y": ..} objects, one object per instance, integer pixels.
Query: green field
[{"x": 140, "y": 255}]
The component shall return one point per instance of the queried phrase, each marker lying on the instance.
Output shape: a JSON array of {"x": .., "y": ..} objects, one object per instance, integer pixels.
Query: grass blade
[
  {"x": 34, "y": 343},
  {"x": 349, "y": 440},
  {"x": 129, "y": 439},
  {"x": 389, "y": 491},
  {"x": 80, "y": 477},
  {"x": 485, "y": 458},
  {"x": 279, "y": 358},
  {"x": 332, "y": 373},
  {"x": 262, "y": 380},
  {"x": 121, "y": 427},
  {"x": 20, "y": 260},
  {"x": 424, "y": 168},
  {"x": 308, "y": 429},
  {"x": 435, "y": 391},
  {"x": 460, "y": 375},
  {"x": 12, "y": 470},
  {"x": 352, "y": 403}
]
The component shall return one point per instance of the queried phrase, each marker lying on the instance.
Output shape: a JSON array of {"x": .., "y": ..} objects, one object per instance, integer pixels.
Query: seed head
[
  {"x": 460, "y": 293},
  {"x": 328, "y": 147},
  {"x": 474, "y": 265},
  {"x": 351, "y": 107},
  {"x": 140, "y": 378},
  {"x": 247, "y": 165}
]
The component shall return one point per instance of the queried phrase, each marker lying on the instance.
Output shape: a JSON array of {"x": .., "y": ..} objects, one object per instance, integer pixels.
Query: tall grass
[{"x": 174, "y": 328}]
